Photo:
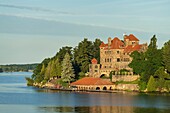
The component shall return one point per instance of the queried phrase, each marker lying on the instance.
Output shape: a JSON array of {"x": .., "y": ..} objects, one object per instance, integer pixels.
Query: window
[
  {"x": 96, "y": 70},
  {"x": 118, "y": 59},
  {"x": 117, "y": 52},
  {"x": 96, "y": 66},
  {"x": 108, "y": 60}
]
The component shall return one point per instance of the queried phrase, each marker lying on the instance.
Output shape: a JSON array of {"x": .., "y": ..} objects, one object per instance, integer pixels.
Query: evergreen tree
[
  {"x": 58, "y": 68},
  {"x": 48, "y": 71},
  {"x": 42, "y": 70},
  {"x": 138, "y": 63},
  {"x": 60, "y": 55},
  {"x": 83, "y": 55},
  {"x": 151, "y": 86},
  {"x": 166, "y": 56},
  {"x": 96, "y": 49},
  {"x": 67, "y": 73},
  {"x": 153, "y": 59}
]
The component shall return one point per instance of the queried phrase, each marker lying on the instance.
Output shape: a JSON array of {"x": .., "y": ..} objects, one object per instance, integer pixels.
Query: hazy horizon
[{"x": 32, "y": 30}]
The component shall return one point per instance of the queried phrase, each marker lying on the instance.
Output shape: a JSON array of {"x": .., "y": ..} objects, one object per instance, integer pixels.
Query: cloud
[
  {"x": 75, "y": 24},
  {"x": 35, "y": 9}
]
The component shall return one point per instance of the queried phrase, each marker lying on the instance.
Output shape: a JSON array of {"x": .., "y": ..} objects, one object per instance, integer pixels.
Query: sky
[{"x": 31, "y": 30}]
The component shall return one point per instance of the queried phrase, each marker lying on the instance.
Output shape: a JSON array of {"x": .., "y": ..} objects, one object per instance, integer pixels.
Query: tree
[
  {"x": 48, "y": 71},
  {"x": 161, "y": 77},
  {"x": 58, "y": 68},
  {"x": 166, "y": 56},
  {"x": 67, "y": 73},
  {"x": 60, "y": 55},
  {"x": 96, "y": 49},
  {"x": 138, "y": 62},
  {"x": 153, "y": 58},
  {"x": 1, "y": 70},
  {"x": 83, "y": 55},
  {"x": 42, "y": 70},
  {"x": 151, "y": 86}
]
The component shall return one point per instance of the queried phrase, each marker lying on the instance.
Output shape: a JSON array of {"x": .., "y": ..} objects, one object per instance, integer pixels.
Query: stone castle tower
[{"x": 115, "y": 55}]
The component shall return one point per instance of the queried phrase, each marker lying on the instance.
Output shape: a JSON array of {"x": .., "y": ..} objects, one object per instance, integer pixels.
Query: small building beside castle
[{"x": 115, "y": 55}]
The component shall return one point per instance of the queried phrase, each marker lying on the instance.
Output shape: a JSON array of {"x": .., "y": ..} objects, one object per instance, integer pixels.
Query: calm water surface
[{"x": 16, "y": 97}]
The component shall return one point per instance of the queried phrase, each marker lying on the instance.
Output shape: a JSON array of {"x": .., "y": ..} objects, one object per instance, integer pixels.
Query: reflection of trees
[{"x": 103, "y": 109}]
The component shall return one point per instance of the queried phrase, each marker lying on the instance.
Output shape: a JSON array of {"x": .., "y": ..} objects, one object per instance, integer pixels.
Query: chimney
[{"x": 109, "y": 41}]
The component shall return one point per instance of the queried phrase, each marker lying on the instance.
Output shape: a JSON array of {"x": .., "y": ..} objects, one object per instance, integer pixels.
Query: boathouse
[{"x": 91, "y": 83}]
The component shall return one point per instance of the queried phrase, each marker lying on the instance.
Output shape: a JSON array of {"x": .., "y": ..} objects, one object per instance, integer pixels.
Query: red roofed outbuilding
[{"x": 91, "y": 83}]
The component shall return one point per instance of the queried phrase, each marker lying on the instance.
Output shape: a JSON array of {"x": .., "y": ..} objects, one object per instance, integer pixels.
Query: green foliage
[
  {"x": 60, "y": 55},
  {"x": 67, "y": 73},
  {"x": 161, "y": 78},
  {"x": 123, "y": 71},
  {"x": 138, "y": 63},
  {"x": 142, "y": 85},
  {"x": 96, "y": 49},
  {"x": 17, "y": 67},
  {"x": 53, "y": 69},
  {"x": 81, "y": 75},
  {"x": 83, "y": 54},
  {"x": 146, "y": 64},
  {"x": 111, "y": 75},
  {"x": 166, "y": 56},
  {"x": 153, "y": 59},
  {"x": 151, "y": 86},
  {"x": 29, "y": 81},
  {"x": 1, "y": 70}
]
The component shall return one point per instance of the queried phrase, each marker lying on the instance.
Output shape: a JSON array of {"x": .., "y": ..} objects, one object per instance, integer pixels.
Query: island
[{"x": 122, "y": 65}]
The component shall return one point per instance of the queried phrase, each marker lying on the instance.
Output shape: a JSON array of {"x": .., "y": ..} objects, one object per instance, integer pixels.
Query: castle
[{"x": 115, "y": 55}]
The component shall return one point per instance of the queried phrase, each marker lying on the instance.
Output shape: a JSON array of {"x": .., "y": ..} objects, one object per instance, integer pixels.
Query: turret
[{"x": 109, "y": 41}]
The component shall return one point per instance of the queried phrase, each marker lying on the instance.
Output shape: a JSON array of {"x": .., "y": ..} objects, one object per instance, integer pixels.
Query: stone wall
[
  {"x": 132, "y": 87},
  {"x": 127, "y": 78}
]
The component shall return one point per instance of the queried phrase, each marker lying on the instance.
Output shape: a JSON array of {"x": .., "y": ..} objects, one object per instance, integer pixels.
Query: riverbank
[{"x": 116, "y": 88}]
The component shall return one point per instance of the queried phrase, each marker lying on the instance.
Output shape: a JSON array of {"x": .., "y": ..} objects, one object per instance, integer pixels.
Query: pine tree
[
  {"x": 151, "y": 86},
  {"x": 67, "y": 73},
  {"x": 42, "y": 70},
  {"x": 153, "y": 59},
  {"x": 58, "y": 68},
  {"x": 48, "y": 71},
  {"x": 166, "y": 56}
]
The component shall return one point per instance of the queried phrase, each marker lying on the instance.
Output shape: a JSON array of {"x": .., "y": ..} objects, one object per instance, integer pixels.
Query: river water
[{"x": 16, "y": 97}]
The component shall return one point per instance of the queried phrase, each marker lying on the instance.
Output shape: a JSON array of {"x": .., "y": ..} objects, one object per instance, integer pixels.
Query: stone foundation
[{"x": 127, "y": 78}]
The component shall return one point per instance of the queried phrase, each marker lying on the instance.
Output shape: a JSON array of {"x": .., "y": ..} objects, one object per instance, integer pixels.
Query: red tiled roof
[
  {"x": 91, "y": 81},
  {"x": 131, "y": 37},
  {"x": 94, "y": 61},
  {"x": 131, "y": 48},
  {"x": 116, "y": 43},
  {"x": 103, "y": 44}
]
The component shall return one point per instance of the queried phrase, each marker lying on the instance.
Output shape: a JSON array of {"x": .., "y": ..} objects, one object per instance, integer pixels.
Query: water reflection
[{"x": 103, "y": 109}]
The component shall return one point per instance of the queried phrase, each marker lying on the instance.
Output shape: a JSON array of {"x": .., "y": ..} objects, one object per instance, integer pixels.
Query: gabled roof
[
  {"x": 132, "y": 48},
  {"x": 91, "y": 81},
  {"x": 116, "y": 43},
  {"x": 103, "y": 44},
  {"x": 94, "y": 61},
  {"x": 131, "y": 37}
]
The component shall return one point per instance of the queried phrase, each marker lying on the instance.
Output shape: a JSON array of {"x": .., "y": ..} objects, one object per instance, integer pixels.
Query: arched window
[
  {"x": 97, "y": 88},
  {"x": 105, "y": 88}
]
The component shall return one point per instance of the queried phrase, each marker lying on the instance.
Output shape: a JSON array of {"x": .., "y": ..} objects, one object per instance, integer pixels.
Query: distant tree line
[
  {"x": 153, "y": 66},
  {"x": 69, "y": 64},
  {"x": 17, "y": 67}
]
